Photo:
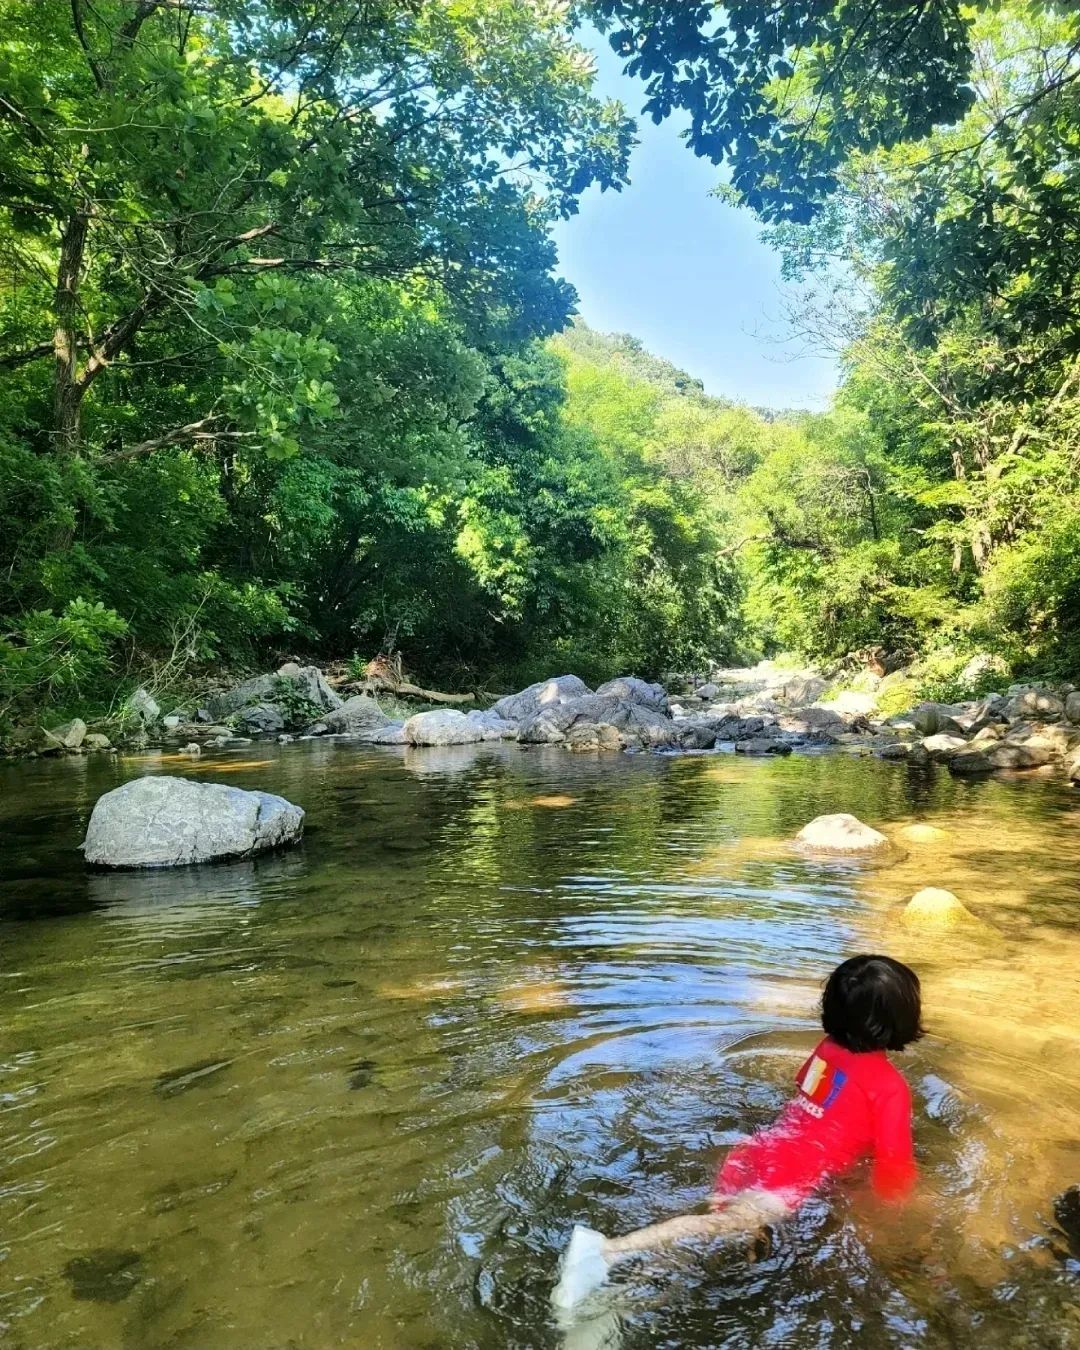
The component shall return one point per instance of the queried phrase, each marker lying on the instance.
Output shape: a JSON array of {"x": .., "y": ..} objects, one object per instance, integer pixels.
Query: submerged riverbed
[{"x": 357, "y": 1095}]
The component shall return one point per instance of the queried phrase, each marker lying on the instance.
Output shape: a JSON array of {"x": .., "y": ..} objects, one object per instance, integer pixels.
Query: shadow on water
[{"x": 357, "y": 1094}]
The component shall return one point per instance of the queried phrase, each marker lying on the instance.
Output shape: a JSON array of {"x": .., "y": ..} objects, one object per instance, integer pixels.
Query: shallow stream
[{"x": 357, "y": 1095}]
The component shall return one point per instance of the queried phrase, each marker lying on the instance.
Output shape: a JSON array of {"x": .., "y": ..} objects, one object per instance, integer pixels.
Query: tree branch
[
  {"x": 202, "y": 430},
  {"x": 76, "y": 18},
  {"x": 13, "y": 359}
]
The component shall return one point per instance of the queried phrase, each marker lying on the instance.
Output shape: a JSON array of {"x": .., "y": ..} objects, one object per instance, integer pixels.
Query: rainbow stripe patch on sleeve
[{"x": 820, "y": 1084}]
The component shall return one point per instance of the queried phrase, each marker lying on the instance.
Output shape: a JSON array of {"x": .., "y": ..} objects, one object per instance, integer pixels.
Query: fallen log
[{"x": 414, "y": 691}]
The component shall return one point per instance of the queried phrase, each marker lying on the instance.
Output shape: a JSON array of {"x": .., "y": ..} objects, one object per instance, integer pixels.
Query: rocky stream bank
[{"x": 760, "y": 710}]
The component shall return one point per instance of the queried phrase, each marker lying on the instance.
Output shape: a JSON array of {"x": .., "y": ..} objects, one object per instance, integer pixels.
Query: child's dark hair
[{"x": 872, "y": 1003}]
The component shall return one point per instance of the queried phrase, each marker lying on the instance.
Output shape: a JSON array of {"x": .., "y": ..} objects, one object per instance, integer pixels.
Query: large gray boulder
[
  {"x": 1031, "y": 752},
  {"x": 633, "y": 690},
  {"x": 311, "y": 685},
  {"x": 934, "y": 719},
  {"x": 169, "y": 822},
  {"x": 264, "y": 718},
  {"x": 544, "y": 694},
  {"x": 446, "y": 726},
  {"x": 392, "y": 734},
  {"x": 68, "y": 736},
  {"x": 638, "y": 725},
  {"x": 762, "y": 745},
  {"x": 841, "y": 833},
  {"x": 1034, "y": 705},
  {"x": 1053, "y": 740},
  {"x": 355, "y": 715},
  {"x": 802, "y": 691},
  {"x": 247, "y": 692},
  {"x": 943, "y": 747},
  {"x": 307, "y": 683},
  {"x": 492, "y": 726},
  {"x": 145, "y": 707}
]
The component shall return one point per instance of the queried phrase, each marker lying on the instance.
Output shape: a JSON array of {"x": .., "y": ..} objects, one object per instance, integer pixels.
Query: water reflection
[{"x": 357, "y": 1094}]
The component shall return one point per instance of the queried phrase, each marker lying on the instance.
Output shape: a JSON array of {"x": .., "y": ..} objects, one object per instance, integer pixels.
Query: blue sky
[{"x": 684, "y": 272}]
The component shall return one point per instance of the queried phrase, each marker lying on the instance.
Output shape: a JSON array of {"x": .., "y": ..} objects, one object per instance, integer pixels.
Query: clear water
[{"x": 357, "y": 1095}]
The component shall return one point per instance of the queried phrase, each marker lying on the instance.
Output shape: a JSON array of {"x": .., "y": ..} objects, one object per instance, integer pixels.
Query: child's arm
[{"x": 893, "y": 1168}]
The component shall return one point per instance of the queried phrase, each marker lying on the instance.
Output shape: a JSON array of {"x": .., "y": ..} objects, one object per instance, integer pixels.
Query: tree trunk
[{"x": 67, "y": 400}]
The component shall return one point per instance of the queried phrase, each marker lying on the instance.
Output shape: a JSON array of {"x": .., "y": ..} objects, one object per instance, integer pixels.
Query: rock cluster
[{"x": 1028, "y": 728}]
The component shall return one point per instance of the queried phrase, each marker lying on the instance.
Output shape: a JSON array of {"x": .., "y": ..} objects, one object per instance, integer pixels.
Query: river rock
[
  {"x": 897, "y": 750},
  {"x": 311, "y": 685},
  {"x": 492, "y": 726},
  {"x": 935, "y": 908},
  {"x": 160, "y": 821},
  {"x": 638, "y": 725},
  {"x": 633, "y": 690},
  {"x": 307, "y": 681},
  {"x": 96, "y": 741},
  {"x": 1067, "y": 1214},
  {"x": 934, "y": 719},
  {"x": 544, "y": 694},
  {"x": 801, "y": 691},
  {"x": 357, "y": 714},
  {"x": 987, "y": 712},
  {"x": 732, "y": 727},
  {"x": 990, "y": 757},
  {"x": 699, "y": 733},
  {"x": 392, "y": 734},
  {"x": 921, "y": 833},
  {"x": 762, "y": 745},
  {"x": 972, "y": 762},
  {"x": 841, "y": 833},
  {"x": 1034, "y": 705},
  {"x": 69, "y": 735},
  {"x": 598, "y": 736},
  {"x": 445, "y": 726},
  {"x": 981, "y": 665},
  {"x": 1053, "y": 740},
  {"x": 943, "y": 747},
  {"x": 145, "y": 708},
  {"x": 263, "y": 718},
  {"x": 255, "y": 690},
  {"x": 1072, "y": 707},
  {"x": 1072, "y": 765},
  {"x": 710, "y": 691},
  {"x": 852, "y": 703}
]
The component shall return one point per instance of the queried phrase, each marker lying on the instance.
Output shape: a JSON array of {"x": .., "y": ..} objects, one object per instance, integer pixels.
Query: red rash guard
[{"x": 849, "y": 1106}]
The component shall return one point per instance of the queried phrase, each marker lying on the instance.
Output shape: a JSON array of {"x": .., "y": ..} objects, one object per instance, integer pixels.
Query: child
[{"x": 851, "y": 1102}]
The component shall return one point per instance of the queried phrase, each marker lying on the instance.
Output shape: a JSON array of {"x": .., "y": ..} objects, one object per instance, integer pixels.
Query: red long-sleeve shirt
[{"x": 848, "y": 1106}]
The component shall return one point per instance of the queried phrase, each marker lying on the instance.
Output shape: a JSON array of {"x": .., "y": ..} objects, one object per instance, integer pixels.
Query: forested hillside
[{"x": 279, "y": 373}]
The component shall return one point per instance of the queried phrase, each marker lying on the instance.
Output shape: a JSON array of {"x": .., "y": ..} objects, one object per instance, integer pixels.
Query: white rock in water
[
  {"x": 445, "y": 726},
  {"x": 169, "y": 822},
  {"x": 841, "y": 833}
]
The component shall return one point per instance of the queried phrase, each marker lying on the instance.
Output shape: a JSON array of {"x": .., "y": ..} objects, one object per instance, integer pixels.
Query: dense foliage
[
  {"x": 919, "y": 166},
  {"x": 277, "y": 370},
  {"x": 274, "y": 276}
]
